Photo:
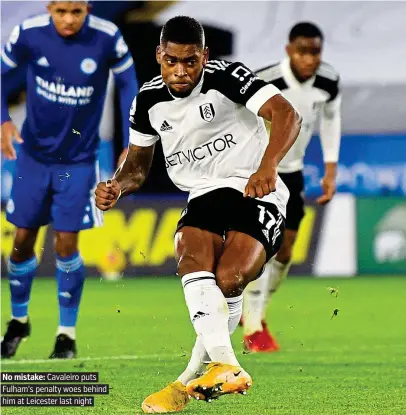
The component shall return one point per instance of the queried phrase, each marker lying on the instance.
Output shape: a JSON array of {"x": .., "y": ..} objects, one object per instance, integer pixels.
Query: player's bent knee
[
  {"x": 189, "y": 263},
  {"x": 233, "y": 279},
  {"x": 66, "y": 243},
  {"x": 24, "y": 242}
]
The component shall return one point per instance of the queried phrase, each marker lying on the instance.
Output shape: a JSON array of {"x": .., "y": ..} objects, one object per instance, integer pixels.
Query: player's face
[
  {"x": 181, "y": 66},
  {"x": 68, "y": 16},
  {"x": 305, "y": 56}
]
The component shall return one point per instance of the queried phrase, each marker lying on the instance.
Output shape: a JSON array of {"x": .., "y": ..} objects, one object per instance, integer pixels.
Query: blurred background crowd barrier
[{"x": 362, "y": 231}]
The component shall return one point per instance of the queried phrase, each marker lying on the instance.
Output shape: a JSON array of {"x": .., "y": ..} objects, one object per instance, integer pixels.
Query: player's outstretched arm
[
  {"x": 128, "y": 179},
  {"x": 286, "y": 124}
]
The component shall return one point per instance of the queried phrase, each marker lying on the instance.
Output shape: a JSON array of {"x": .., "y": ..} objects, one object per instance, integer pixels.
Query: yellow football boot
[
  {"x": 219, "y": 379},
  {"x": 172, "y": 398}
]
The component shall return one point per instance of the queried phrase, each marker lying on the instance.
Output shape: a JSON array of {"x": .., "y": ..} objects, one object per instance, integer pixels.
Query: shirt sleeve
[
  {"x": 141, "y": 131},
  {"x": 244, "y": 87},
  {"x": 330, "y": 126},
  {"x": 15, "y": 52},
  {"x": 121, "y": 58}
]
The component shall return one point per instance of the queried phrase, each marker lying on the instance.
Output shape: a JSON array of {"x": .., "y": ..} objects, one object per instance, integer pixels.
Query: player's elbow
[
  {"x": 292, "y": 117},
  {"x": 280, "y": 108}
]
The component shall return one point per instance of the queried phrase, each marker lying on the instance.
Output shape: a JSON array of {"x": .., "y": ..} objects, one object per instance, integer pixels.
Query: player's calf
[
  {"x": 70, "y": 275},
  {"x": 20, "y": 275}
]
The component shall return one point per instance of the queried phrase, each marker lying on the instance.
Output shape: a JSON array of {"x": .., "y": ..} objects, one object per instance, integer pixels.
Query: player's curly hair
[
  {"x": 183, "y": 30},
  {"x": 305, "y": 29}
]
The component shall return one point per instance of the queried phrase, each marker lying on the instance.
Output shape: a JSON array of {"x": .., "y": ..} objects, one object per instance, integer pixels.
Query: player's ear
[
  {"x": 158, "y": 54},
  {"x": 205, "y": 55},
  {"x": 288, "y": 49}
]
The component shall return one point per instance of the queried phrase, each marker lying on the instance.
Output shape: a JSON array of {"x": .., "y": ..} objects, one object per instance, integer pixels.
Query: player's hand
[
  {"x": 122, "y": 157},
  {"x": 261, "y": 183},
  {"x": 8, "y": 132},
  {"x": 328, "y": 184},
  {"x": 107, "y": 194}
]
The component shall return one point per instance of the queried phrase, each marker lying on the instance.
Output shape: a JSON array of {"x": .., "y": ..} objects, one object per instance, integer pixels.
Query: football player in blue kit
[{"x": 69, "y": 54}]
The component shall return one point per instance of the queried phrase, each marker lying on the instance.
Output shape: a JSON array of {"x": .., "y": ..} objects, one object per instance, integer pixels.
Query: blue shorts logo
[{"x": 88, "y": 66}]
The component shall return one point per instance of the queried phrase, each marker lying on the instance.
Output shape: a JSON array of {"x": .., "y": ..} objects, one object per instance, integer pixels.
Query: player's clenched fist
[
  {"x": 107, "y": 194},
  {"x": 261, "y": 183}
]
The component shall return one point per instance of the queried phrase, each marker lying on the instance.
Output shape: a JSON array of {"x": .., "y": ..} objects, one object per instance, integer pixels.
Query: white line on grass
[{"x": 89, "y": 359}]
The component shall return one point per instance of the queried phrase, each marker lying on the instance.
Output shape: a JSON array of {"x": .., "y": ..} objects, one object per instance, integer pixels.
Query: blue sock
[
  {"x": 70, "y": 276},
  {"x": 20, "y": 276}
]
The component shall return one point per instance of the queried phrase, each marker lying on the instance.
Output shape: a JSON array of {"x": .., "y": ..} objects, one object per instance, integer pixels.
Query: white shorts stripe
[
  {"x": 7, "y": 60},
  {"x": 96, "y": 213}
]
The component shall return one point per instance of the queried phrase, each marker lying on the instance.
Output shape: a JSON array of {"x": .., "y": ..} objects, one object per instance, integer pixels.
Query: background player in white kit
[
  {"x": 312, "y": 87},
  {"x": 208, "y": 117}
]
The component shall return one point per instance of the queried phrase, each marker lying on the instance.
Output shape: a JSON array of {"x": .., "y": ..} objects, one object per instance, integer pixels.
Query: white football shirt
[
  {"x": 317, "y": 98},
  {"x": 213, "y": 138}
]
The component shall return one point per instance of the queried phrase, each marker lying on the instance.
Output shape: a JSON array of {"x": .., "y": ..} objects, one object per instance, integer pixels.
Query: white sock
[
  {"x": 235, "y": 312},
  {"x": 69, "y": 331},
  {"x": 20, "y": 319},
  {"x": 208, "y": 311},
  {"x": 196, "y": 363},
  {"x": 276, "y": 273},
  {"x": 199, "y": 355},
  {"x": 255, "y": 297}
]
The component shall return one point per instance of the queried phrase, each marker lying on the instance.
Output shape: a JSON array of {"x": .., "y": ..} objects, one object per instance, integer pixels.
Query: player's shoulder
[
  {"x": 218, "y": 72},
  {"x": 36, "y": 22},
  {"x": 273, "y": 74},
  {"x": 328, "y": 72},
  {"x": 270, "y": 72},
  {"x": 153, "y": 92},
  {"x": 327, "y": 79},
  {"x": 217, "y": 66},
  {"x": 102, "y": 26}
]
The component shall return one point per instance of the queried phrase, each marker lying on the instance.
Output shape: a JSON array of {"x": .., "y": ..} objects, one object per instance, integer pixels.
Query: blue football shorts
[{"x": 57, "y": 194}]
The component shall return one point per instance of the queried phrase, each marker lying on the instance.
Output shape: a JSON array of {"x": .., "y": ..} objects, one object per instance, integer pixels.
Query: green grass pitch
[{"x": 136, "y": 333}]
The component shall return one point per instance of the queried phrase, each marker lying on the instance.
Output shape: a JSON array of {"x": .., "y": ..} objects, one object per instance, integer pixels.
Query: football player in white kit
[
  {"x": 209, "y": 116},
  {"x": 312, "y": 87}
]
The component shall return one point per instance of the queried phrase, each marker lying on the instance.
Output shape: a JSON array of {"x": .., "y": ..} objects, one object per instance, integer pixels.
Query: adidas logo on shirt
[
  {"x": 43, "y": 61},
  {"x": 165, "y": 126}
]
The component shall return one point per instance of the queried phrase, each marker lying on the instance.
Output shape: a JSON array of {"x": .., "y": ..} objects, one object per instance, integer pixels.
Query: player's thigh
[
  {"x": 294, "y": 213},
  {"x": 199, "y": 235},
  {"x": 241, "y": 262},
  {"x": 29, "y": 206},
  {"x": 295, "y": 206},
  {"x": 73, "y": 207},
  {"x": 196, "y": 250},
  {"x": 255, "y": 232},
  {"x": 284, "y": 254}
]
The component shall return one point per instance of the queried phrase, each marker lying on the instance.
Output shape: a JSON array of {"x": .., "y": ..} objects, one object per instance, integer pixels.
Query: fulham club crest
[{"x": 207, "y": 112}]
